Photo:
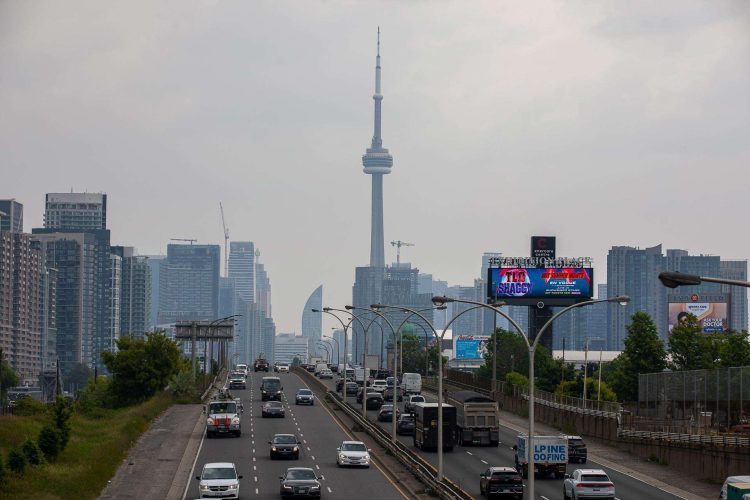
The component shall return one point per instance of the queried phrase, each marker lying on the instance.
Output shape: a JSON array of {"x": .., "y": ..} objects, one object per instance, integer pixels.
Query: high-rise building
[
  {"x": 154, "y": 263},
  {"x": 338, "y": 336},
  {"x": 11, "y": 216},
  {"x": 24, "y": 307},
  {"x": 189, "y": 283},
  {"x": 135, "y": 292},
  {"x": 367, "y": 290},
  {"x": 289, "y": 346},
  {"x": 242, "y": 268},
  {"x": 312, "y": 322},
  {"x": 735, "y": 270},
  {"x": 115, "y": 289},
  {"x": 75, "y": 259},
  {"x": 81, "y": 211}
]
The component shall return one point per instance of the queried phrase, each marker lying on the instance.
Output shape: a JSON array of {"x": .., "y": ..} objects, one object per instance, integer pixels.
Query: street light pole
[
  {"x": 345, "y": 326},
  {"x": 623, "y": 300},
  {"x": 674, "y": 279}
]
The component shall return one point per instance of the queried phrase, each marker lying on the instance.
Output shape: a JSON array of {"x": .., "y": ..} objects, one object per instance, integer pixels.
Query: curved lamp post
[
  {"x": 345, "y": 326},
  {"x": 674, "y": 279},
  {"x": 622, "y": 300}
]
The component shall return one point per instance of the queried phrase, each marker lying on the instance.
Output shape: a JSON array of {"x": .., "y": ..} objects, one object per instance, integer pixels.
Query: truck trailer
[
  {"x": 477, "y": 418},
  {"x": 550, "y": 455},
  {"x": 426, "y": 426}
]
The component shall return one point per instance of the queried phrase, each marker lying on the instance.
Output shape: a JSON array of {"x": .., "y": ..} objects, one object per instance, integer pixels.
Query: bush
[
  {"x": 3, "y": 475},
  {"x": 183, "y": 388},
  {"x": 515, "y": 378},
  {"x": 32, "y": 452},
  {"x": 49, "y": 442},
  {"x": 62, "y": 414},
  {"x": 29, "y": 406},
  {"x": 94, "y": 398},
  {"x": 16, "y": 461}
]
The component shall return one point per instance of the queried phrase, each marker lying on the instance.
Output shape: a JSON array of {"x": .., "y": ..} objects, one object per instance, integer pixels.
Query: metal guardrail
[
  {"x": 725, "y": 440},
  {"x": 417, "y": 465}
]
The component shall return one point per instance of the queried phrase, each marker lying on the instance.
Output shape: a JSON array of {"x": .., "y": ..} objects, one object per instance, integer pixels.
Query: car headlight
[
  {"x": 296, "y": 448},
  {"x": 209, "y": 421},
  {"x": 204, "y": 487},
  {"x": 273, "y": 448},
  {"x": 315, "y": 487},
  {"x": 234, "y": 486},
  {"x": 367, "y": 457},
  {"x": 342, "y": 456},
  {"x": 286, "y": 487},
  {"x": 236, "y": 420}
]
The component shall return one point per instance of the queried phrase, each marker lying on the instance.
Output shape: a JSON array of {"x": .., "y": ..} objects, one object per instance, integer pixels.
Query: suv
[
  {"x": 588, "y": 483},
  {"x": 503, "y": 481},
  {"x": 237, "y": 381},
  {"x": 261, "y": 365},
  {"x": 223, "y": 417},
  {"x": 379, "y": 385},
  {"x": 270, "y": 388},
  {"x": 283, "y": 368},
  {"x": 219, "y": 479},
  {"x": 416, "y": 398},
  {"x": 577, "y": 452}
]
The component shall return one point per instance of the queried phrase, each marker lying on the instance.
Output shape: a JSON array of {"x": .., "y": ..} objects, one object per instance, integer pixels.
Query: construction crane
[
  {"x": 226, "y": 241},
  {"x": 398, "y": 244},
  {"x": 183, "y": 239}
]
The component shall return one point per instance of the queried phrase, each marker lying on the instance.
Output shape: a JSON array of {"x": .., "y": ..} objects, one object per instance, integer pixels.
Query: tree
[
  {"x": 49, "y": 442},
  {"x": 61, "y": 417},
  {"x": 736, "y": 350},
  {"x": 141, "y": 367},
  {"x": 686, "y": 345},
  {"x": 32, "y": 452},
  {"x": 16, "y": 461},
  {"x": 8, "y": 378},
  {"x": 643, "y": 353},
  {"x": 412, "y": 353}
]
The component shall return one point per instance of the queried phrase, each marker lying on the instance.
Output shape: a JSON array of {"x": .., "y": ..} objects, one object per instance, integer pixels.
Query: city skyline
[{"x": 567, "y": 106}]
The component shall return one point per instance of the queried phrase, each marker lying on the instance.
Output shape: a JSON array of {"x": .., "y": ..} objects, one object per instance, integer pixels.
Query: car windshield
[
  {"x": 353, "y": 447},
  {"x": 274, "y": 404},
  {"x": 386, "y": 408},
  {"x": 576, "y": 442},
  {"x": 300, "y": 474},
  {"x": 417, "y": 399},
  {"x": 219, "y": 473},
  {"x": 286, "y": 439},
  {"x": 305, "y": 392},
  {"x": 595, "y": 478},
  {"x": 406, "y": 418},
  {"x": 271, "y": 385},
  {"x": 223, "y": 408}
]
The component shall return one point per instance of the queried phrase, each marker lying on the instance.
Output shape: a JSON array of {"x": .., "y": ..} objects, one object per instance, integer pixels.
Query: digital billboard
[
  {"x": 510, "y": 284},
  {"x": 712, "y": 316},
  {"x": 470, "y": 346}
]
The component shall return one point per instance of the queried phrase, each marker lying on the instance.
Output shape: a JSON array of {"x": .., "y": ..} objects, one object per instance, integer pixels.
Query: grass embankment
[{"x": 96, "y": 448}]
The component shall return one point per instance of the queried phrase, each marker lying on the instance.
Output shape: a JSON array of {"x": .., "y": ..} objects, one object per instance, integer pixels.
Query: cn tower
[{"x": 377, "y": 162}]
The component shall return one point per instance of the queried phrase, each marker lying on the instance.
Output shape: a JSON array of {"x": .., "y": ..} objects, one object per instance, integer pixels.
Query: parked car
[
  {"x": 585, "y": 483},
  {"x": 405, "y": 425},
  {"x": 284, "y": 446},
  {"x": 273, "y": 409},
  {"x": 299, "y": 481},
  {"x": 219, "y": 479},
  {"x": 386, "y": 413},
  {"x": 352, "y": 453},
  {"x": 304, "y": 397},
  {"x": 501, "y": 481},
  {"x": 409, "y": 406}
]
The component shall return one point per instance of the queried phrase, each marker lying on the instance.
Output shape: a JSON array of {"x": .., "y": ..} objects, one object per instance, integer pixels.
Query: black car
[
  {"x": 273, "y": 409},
  {"x": 405, "y": 425},
  {"x": 284, "y": 446},
  {"x": 388, "y": 394},
  {"x": 386, "y": 413},
  {"x": 304, "y": 397},
  {"x": 577, "y": 451},
  {"x": 502, "y": 481},
  {"x": 340, "y": 383},
  {"x": 270, "y": 389},
  {"x": 352, "y": 388},
  {"x": 374, "y": 400},
  {"x": 299, "y": 482}
]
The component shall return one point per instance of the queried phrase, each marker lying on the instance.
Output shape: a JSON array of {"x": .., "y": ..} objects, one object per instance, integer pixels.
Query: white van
[
  {"x": 411, "y": 383},
  {"x": 319, "y": 367}
]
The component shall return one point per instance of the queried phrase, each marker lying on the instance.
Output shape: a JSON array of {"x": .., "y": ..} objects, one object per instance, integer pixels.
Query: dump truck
[
  {"x": 426, "y": 426},
  {"x": 550, "y": 455},
  {"x": 477, "y": 418}
]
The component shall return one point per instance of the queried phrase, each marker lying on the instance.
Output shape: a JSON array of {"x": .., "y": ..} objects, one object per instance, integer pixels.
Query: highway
[
  {"x": 320, "y": 435},
  {"x": 464, "y": 464}
]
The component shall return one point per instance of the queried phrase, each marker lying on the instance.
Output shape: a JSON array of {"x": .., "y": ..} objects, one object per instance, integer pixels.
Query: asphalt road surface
[
  {"x": 320, "y": 435},
  {"x": 464, "y": 464}
]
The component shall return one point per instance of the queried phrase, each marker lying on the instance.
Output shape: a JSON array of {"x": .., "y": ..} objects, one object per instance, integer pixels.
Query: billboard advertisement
[
  {"x": 712, "y": 316},
  {"x": 470, "y": 346},
  {"x": 509, "y": 283}
]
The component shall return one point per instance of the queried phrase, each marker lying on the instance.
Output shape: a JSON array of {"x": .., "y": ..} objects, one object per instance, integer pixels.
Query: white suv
[
  {"x": 588, "y": 483},
  {"x": 379, "y": 385},
  {"x": 283, "y": 367},
  {"x": 219, "y": 480}
]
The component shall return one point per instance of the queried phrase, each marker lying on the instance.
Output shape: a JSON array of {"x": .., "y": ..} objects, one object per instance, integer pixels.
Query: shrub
[
  {"x": 62, "y": 414},
  {"x": 49, "y": 442},
  {"x": 29, "y": 406},
  {"x": 183, "y": 388},
  {"x": 93, "y": 400},
  {"x": 32, "y": 452},
  {"x": 16, "y": 461},
  {"x": 3, "y": 475}
]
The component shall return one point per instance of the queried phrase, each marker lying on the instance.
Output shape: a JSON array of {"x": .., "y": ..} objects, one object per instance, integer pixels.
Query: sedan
[
  {"x": 325, "y": 374},
  {"x": 386, "y": 413},
  {"x": 588, "y": 483},
  {"x": 299, "y": 482},
  {"x": 388, "y": 394},
  {"x": 219, "y": 480},
  {"x": 284, "y": 446},
  {"x": 273, "y": 409},
  {"x": 304, "y": 397},
  {"x": 352, "y": 388},
  {"x": 502, "y": 481},
  {"x": 352, "y": 453},
  {"x": 405, "y": 425}
]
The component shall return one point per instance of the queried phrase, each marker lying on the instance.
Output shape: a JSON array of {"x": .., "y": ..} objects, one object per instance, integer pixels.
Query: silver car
[
  {"x": 219, "y": 480},
  {"x": 353, "y": 453}
]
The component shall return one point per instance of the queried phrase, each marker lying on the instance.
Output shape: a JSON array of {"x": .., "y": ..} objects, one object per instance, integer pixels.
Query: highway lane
[
  {"x": 464, "y": 464},
  {"x": 320, "y": 436}
]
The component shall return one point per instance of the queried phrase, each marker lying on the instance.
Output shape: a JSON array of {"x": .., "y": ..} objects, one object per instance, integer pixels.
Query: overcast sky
[{"x": 603, "y": 123}]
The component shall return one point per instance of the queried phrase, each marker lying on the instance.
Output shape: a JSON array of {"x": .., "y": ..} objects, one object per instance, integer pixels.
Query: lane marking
[
  {"x": 318, "y": 467},
  {"x": 485, "y": 461},
  {"x": 192, "y": 469},
  {"x": 256, "y": 479},
  {"x": 256, "y": 491},
  {"x": 312, "y": 456},
  {"x": 329, "y": 488},
  {"x": 470, "y": 453}
]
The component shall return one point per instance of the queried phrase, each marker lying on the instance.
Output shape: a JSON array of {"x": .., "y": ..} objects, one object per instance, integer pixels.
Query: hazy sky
[{"x": 603, "y": 123}]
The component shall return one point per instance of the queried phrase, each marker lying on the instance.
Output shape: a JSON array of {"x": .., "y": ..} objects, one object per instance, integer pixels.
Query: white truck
[
  {"x": 411, "y": 383},
  {"x": 359, "y": 375},
  {"x": 550, "y": 455}
]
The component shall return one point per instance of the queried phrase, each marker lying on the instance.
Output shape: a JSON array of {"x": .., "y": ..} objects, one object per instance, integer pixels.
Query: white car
[
  {"x": 283, "y": 368},
  {"x": 219, "y": 480},
  {"x": 325, "y": 374},
  {"x": 353, "y": 453},
  {"x": 379, "y": 385},
  {"x": 588, "y": 483}
]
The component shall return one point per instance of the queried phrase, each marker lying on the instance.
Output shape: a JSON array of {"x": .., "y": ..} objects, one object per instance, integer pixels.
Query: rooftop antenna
[{"x": 398, "y": 244}]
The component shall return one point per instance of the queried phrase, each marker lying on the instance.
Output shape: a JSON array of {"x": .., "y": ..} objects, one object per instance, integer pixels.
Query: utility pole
[{"x": 398, "y": 244}]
